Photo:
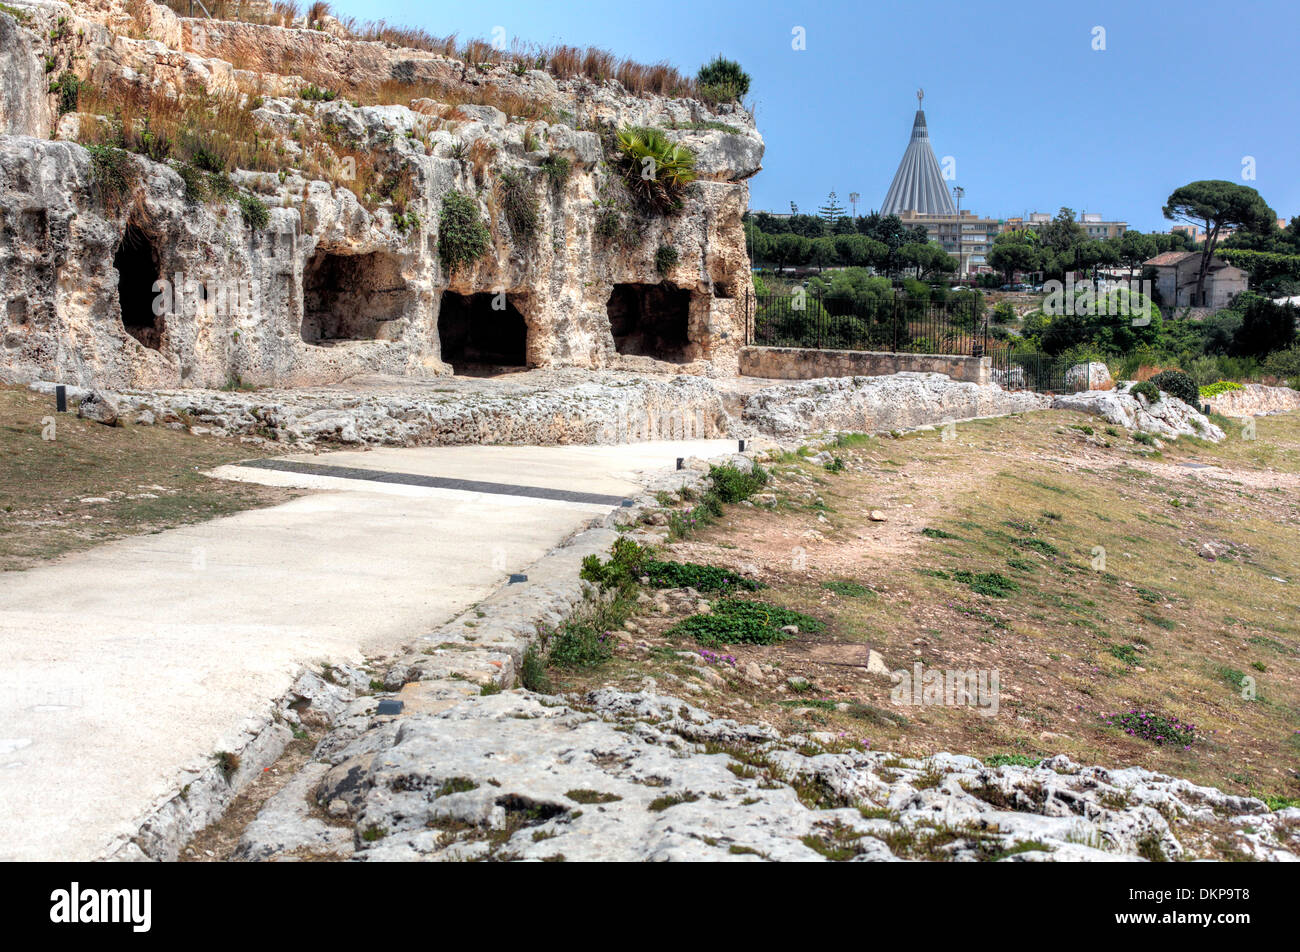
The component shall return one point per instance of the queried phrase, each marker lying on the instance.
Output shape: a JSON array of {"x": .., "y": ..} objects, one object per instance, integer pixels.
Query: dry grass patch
[
  {"x": 147, "y": 479},
  {"x": 1010, "y": 579}
]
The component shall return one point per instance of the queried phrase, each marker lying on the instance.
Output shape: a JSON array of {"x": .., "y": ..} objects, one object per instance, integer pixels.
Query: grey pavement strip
[{"x": 433, "y": 482}]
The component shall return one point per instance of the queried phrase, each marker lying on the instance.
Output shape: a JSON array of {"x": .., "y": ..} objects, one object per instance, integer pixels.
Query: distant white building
[{"x": 1176, "y": 273}]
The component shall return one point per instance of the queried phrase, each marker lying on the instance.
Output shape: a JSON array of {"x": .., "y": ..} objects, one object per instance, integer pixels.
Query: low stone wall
[
  {"x": 1255, "y": 399},
  {"x": 799, "y": 363}
]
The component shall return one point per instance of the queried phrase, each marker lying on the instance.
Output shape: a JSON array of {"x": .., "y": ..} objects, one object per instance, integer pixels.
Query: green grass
[
  {"x": 739, "y": 621},
  {"x": 1012, "y": 760},
  {"x": 848, "y": 589},
  {"x": 703, "y": 578}
]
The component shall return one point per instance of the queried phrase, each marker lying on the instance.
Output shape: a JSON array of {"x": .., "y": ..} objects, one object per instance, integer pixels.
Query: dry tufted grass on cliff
[{"x": 561, "y": 61}]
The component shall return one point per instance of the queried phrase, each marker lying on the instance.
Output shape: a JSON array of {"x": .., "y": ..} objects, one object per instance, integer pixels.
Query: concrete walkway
[{"x": 122, "y": 666}]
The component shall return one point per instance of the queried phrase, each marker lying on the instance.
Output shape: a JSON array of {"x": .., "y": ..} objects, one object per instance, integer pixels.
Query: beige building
[
  {"x": 965, "y": 236},
  {"x": 1094, "y": 225},
  {"x": 1176, "y": 280}
]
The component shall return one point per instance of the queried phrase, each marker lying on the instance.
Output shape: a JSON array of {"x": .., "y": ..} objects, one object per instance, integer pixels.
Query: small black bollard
[
  {"x": 681, "y": 461},
  {"x": 61, "y": 399},
  {"x": 742, "y": 446}
]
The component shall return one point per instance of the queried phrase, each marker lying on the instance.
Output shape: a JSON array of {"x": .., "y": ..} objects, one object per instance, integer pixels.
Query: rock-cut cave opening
[
  {"x": 349, "y": 297},
  {"x": 137, "y": 264},
  {"x": 481, "y": 331},
  {"x": 651, "y": 320}
]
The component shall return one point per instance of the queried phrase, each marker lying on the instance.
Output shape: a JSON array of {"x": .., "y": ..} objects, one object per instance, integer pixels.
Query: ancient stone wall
[
  {"x": 337, "y": 283},
  {"x": 799, "y": 363}
]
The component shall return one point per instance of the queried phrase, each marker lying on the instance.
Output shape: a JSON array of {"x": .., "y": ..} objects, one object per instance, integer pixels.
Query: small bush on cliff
[
  {"x": 556, "y": 168},
  {"x": 254, "y": 212},
  {"x": 313, "y": 93},
  {"x": 114, "y": 174},
  {"x": 463, "y": 236},
  {"x": 666, "y": 258},
  {"x": 68, "y": 88},
  {"x": 519, "y": 202},
  {"x": 722, "y": 80},
  {"x": 1180, "y": 385},
  {"x": 655, "y": 169}
]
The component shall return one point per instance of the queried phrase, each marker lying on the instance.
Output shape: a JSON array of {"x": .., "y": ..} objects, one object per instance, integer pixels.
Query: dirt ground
[
  {"x": 1122, "y": 578},
  {"x": 93, "y": 483}
]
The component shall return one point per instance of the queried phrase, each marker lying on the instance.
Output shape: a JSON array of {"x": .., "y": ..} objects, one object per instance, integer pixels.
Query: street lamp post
[{"x": 961, "y": 265}]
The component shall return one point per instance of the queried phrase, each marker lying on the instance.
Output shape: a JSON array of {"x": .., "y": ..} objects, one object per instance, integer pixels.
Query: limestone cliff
[{"x": 313, "y": 255}]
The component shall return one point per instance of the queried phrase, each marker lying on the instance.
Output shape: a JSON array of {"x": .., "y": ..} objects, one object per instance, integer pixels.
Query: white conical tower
[{"x": 918, "y": 184}]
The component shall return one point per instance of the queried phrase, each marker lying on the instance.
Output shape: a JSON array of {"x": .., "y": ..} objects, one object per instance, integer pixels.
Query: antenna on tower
[{"x": 920, "y": 95}]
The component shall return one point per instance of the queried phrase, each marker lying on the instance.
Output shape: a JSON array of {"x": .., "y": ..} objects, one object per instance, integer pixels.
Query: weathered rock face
[
  {"x": 1168, "y": 417},
  {"x": 24, "y": 110},
  {"x": 879, "y": 404},
  {"x": 544, "y": 407},
  {"x": 152, "y": 289}
]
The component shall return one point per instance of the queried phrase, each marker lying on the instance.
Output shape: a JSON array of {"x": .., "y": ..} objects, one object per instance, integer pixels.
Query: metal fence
[
  {"x": 1018, "y": 368},
  {"x": 900, "y": 325},
  {"x": 894, "y": 325}
]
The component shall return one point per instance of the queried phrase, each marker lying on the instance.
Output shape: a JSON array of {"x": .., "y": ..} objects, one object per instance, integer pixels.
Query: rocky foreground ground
[
  {"x": 471, "y": 767},
  {"x": 646, "y": 776}
]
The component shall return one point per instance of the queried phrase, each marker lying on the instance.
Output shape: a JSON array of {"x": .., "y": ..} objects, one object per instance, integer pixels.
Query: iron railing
[
  {"x": 1022, "y": 368},
  {"x": 901, "y": 325},
  {"x": 896, "y": 324}
]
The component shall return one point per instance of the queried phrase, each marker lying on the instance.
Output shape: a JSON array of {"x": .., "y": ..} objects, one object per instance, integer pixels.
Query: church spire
[{"x": 918, "y": 184}]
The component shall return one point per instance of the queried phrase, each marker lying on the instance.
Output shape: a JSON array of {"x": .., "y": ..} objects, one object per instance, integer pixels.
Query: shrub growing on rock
[
  {"x": 1146, "y": 389},
  {"x": 68, "y": 88},
  {"x": 519, "y": 202},
  {"x": 722, "y": 80},
  {"x": 666, "y": 258},
  {"x": 627, "y": 563},
  {"x": 732, "y": 485},
  {"x": 1180, "y": 385},
  {"x": 114, "y": 174},
  {"x": 655, "y": 169},
  {"x": 463, "y": 236},
  {"x": 254, "y": 212},
  {"x": 556, "y": 168}
]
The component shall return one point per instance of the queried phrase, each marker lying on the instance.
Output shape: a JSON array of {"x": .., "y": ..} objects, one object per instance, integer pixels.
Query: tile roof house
[{"x": 1176, "y": 280}]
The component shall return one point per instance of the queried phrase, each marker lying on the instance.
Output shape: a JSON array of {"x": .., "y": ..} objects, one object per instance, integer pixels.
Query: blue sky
[{"x": 1033, "y": 117}]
